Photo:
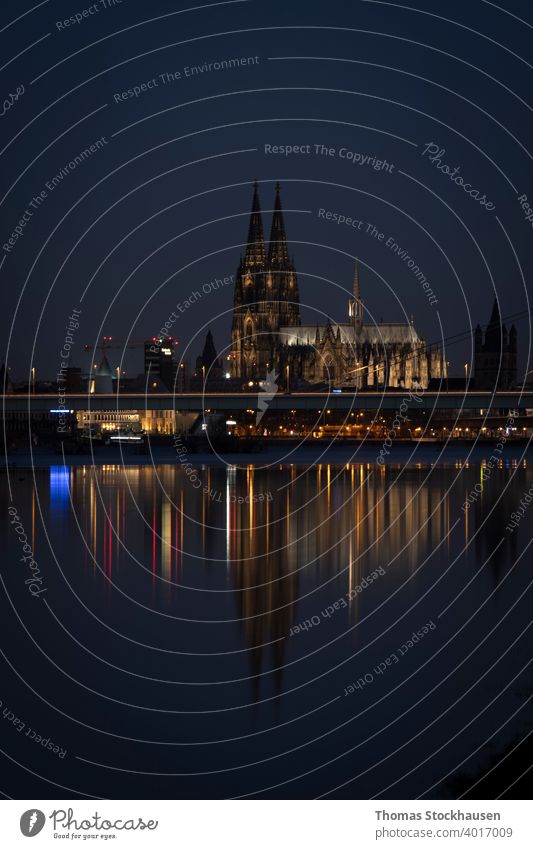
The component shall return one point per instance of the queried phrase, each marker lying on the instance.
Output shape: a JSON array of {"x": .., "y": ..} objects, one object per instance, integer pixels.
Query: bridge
[{"x": 233, "y": 402}]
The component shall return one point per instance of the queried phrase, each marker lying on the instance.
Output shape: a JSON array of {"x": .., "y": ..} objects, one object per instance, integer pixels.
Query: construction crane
[
  {"x": 112, "y": 342},
  {"x": 153, "y": 347}
]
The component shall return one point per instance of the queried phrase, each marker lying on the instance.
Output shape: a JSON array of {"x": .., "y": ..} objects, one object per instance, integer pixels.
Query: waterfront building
[{"x": 268, "y": 335}]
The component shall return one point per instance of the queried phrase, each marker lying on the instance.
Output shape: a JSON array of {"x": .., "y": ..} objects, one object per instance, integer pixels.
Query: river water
[{"x": 249, "y": 631}]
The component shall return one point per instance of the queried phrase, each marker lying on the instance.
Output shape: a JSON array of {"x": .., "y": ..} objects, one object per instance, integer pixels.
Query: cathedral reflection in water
[{"x": 257, "y": 545}]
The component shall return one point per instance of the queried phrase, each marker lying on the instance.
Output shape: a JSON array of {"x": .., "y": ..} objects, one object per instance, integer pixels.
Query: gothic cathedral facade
[{"x": 268, "y": 338}]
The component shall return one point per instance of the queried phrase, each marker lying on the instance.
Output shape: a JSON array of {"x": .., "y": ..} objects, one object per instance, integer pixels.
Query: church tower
[
  {"x": 355, "y": 304},
  {"x": 266, "y": 296},
  {"x": 495, "y": 354},
  {"x": 282, "y": 283},
  {"x": 208, "y": 365}
]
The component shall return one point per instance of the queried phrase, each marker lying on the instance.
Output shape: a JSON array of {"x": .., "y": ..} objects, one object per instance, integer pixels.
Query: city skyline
[
  {"x": 267, "y": 415},
  {"x": 224, "y": 287}
]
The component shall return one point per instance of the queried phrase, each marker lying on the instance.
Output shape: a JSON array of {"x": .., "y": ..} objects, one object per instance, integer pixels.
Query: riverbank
[{"x": 425, "y": 453}]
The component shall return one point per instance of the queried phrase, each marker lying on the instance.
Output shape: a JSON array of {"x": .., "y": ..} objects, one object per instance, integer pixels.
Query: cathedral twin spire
[
  {"x": 255, "y": 250},
  {"x": 278, "y": 251},
  {"x": 267, "y": 332},
  {"x": 278, "y": 268},
  {"x": 355, "y": 304},
  {"x": 266, "y": 295}
]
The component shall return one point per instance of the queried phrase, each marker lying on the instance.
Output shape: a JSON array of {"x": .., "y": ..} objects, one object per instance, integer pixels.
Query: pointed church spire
[
  {"x": 209, "y": 353},
  {"x": 255, "y": 250},
  {"x": 494, "y": 330},
  {"x": 355, "y": 306},
  {"x": 278, "y": 250},
  {"x": 495, "y": 318},
  {"x": 356, "y": 287}
]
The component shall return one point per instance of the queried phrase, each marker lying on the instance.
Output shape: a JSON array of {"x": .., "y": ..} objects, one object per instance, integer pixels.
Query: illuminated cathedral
[{"x": 268, "y": 337}]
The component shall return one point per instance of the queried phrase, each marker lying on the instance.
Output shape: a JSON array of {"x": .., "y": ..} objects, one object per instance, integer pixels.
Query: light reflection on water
[
  {"x": 347, "y": 513},
  {"x": 213, "y": 577}
]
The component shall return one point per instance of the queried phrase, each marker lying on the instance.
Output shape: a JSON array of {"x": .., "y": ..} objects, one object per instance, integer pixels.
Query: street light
[
  {"x": 33, "y": 380},
  {"x": 287, "y": 369}
]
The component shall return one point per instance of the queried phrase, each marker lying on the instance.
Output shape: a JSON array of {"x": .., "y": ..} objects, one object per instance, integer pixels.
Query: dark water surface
[{"x": 160, "y": 658}]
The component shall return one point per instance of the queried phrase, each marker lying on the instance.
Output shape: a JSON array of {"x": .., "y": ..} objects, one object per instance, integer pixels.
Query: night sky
[{"x": 161, "y": 206}]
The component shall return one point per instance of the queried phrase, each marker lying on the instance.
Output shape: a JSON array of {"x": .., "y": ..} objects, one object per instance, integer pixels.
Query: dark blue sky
[{"x": 161, "y": 207}]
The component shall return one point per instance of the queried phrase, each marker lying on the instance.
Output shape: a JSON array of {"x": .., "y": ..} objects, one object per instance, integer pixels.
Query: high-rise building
[
  {"x": 159, "y": 360},
  {"x": 73, "y": 379}
]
